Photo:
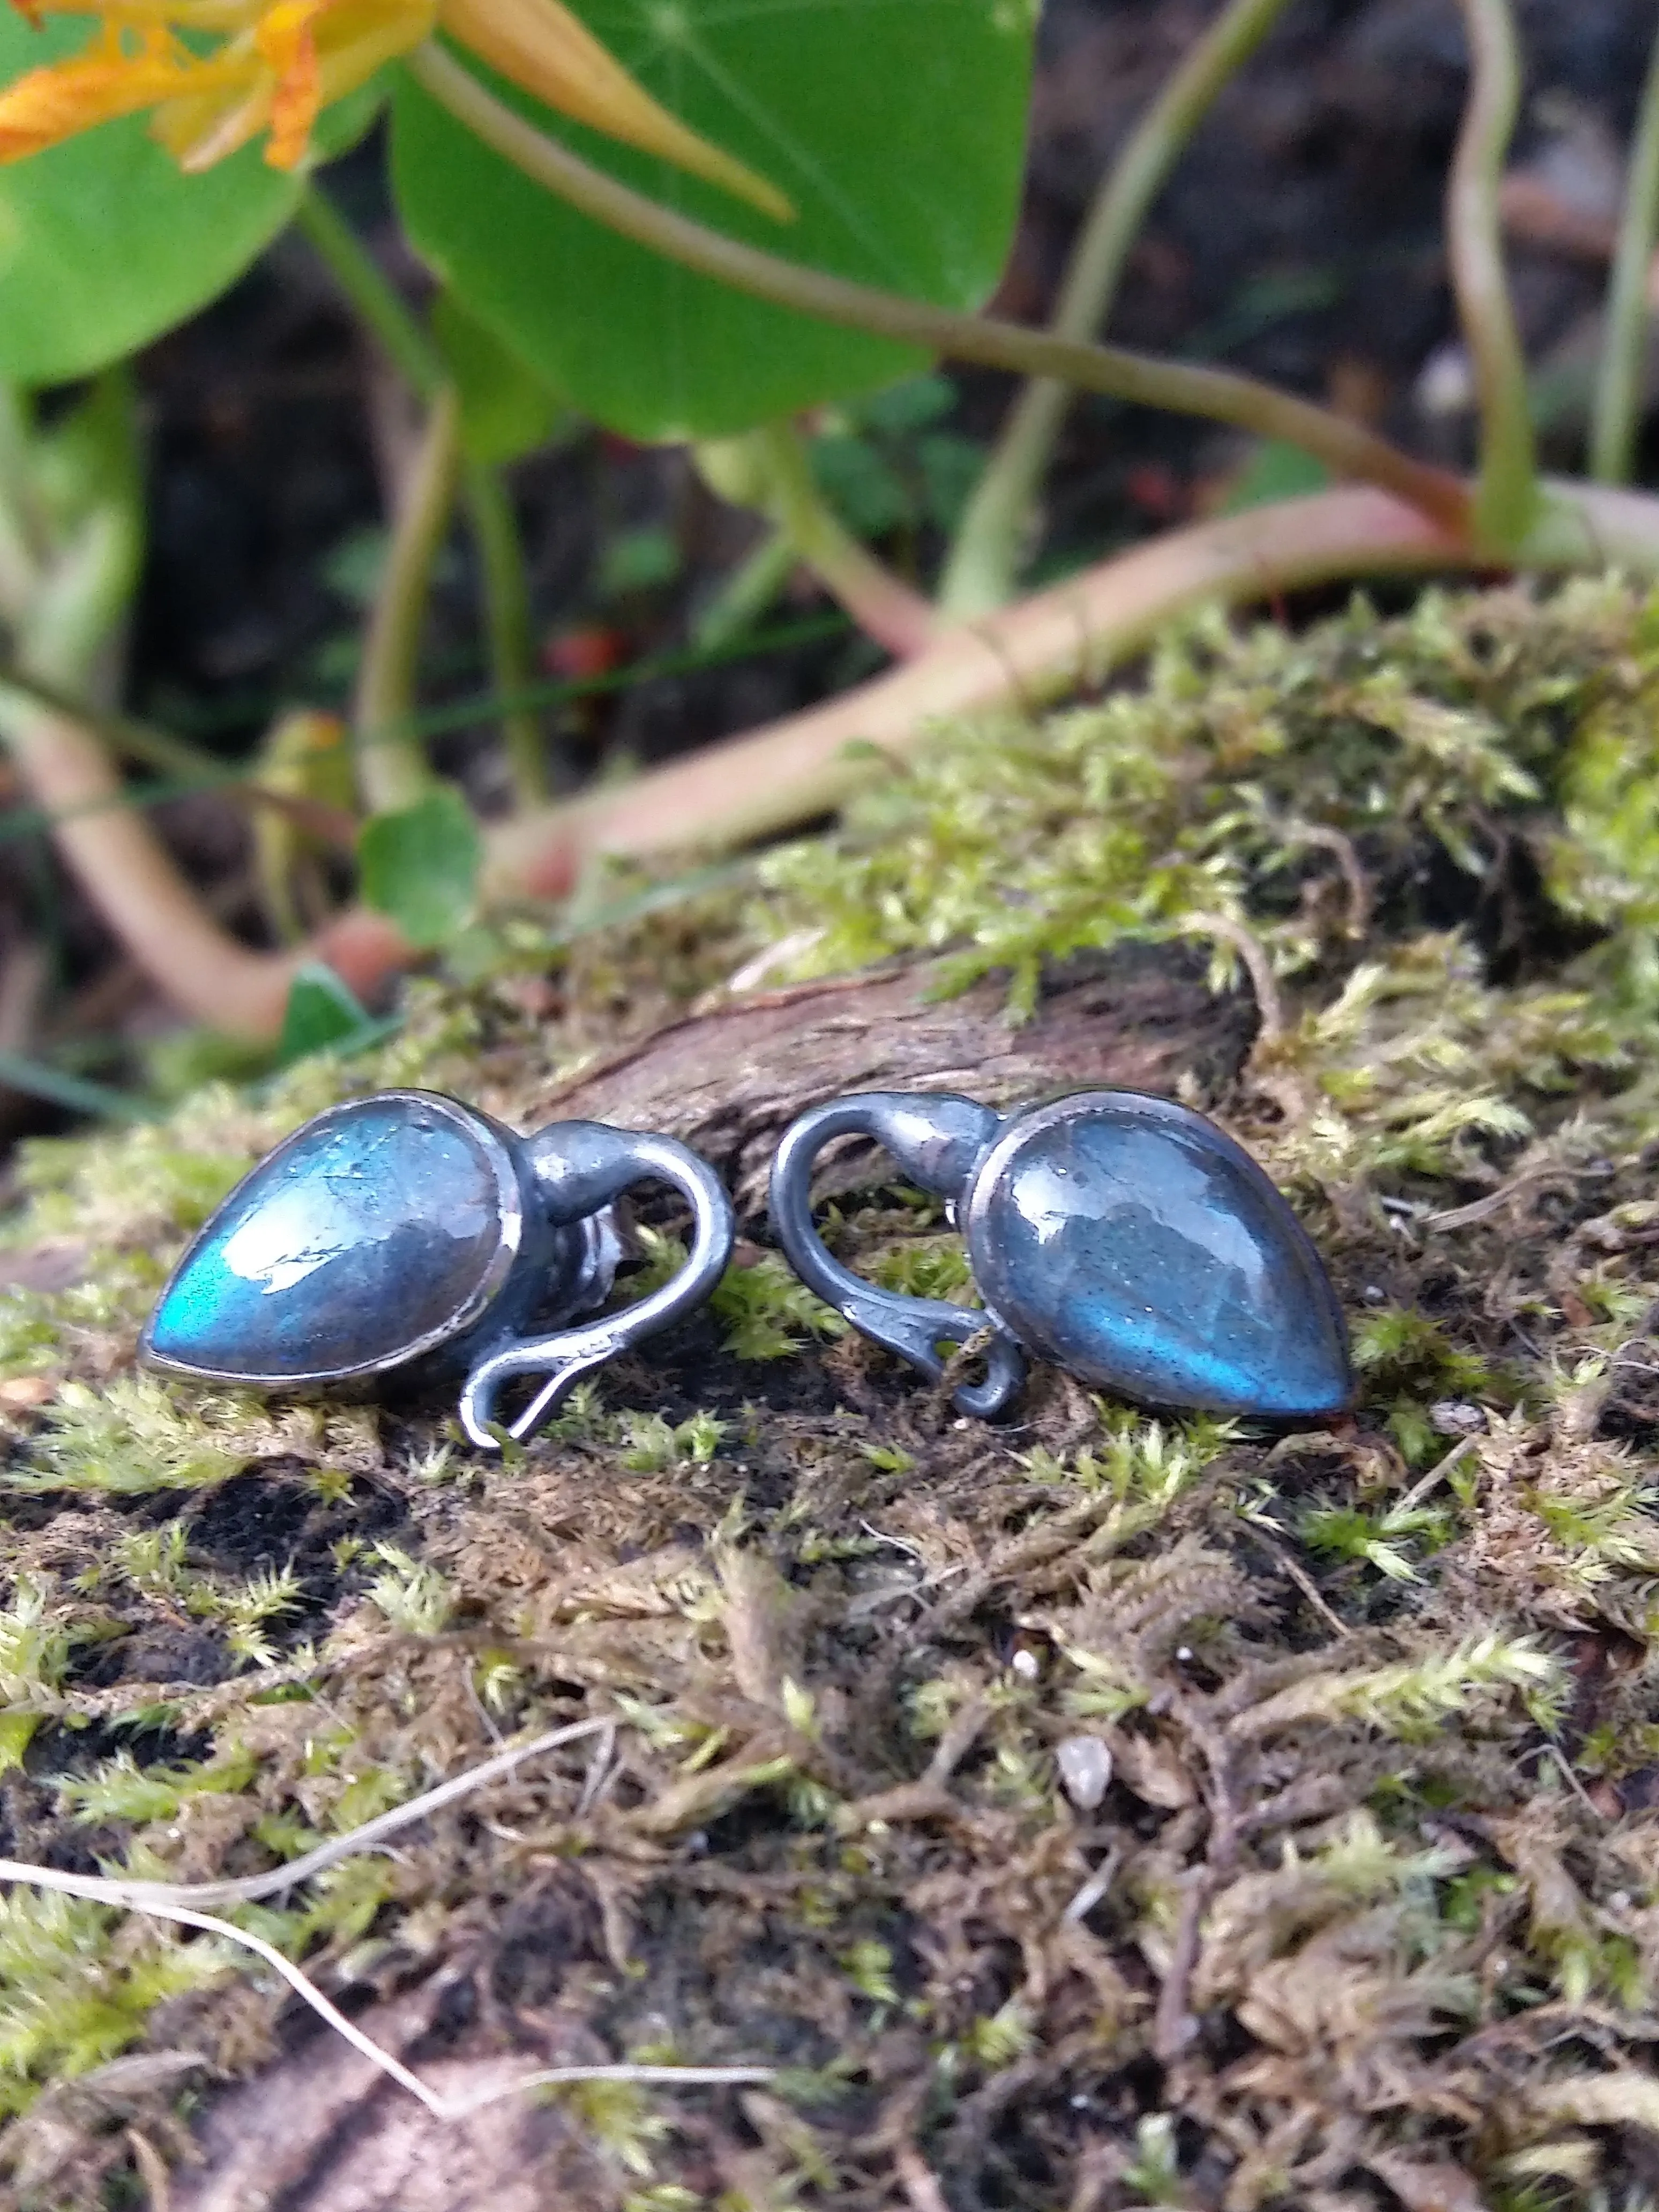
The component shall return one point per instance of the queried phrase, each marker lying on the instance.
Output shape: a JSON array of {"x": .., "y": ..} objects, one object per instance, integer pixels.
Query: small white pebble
[
  {"x": 1451, "y": 1417},
  {"x": 1184, "y": 1653},
  {"x": 1024, "y": 1664},
  {"x": 1086, "y": 1768}
]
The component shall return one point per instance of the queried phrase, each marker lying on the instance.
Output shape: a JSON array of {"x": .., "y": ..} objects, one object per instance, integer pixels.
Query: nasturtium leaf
[
  {"x": 895, "y": 127},
  {"x": 508, "y": 410},
  {"x": 420, "y": 864},
  {"x": 104, "y": 241}
]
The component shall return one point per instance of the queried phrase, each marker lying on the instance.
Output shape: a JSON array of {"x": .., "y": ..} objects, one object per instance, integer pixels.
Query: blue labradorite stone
[
  {"x": 374, "y": 1230},
  {"x": 1134, "y": 1243}
]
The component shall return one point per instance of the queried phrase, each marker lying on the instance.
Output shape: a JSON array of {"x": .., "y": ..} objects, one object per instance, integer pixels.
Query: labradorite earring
[
  {"x": 1124, "y": 1237},
  {"x": 406, "y": 1232}
]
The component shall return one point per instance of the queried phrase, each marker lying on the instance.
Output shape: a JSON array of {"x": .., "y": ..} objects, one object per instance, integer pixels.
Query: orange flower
[{"x": 278, "y": 64}]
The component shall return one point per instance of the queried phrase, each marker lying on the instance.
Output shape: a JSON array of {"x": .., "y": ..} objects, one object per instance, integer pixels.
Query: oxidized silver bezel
[{"x": 499, "y": 1149}]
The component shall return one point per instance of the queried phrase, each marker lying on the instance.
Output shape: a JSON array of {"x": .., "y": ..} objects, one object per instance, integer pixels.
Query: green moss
[{"x": 1377, "y": 1699}]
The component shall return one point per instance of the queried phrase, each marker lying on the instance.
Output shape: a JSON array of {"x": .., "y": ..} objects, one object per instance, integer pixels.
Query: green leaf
[
  {"x": 896, "y": 127},
  {"x": 508, "y": 410},
  {"x": 421, "y": 865},
  {"x": 105, "y": 242},
  {"x": 321, "y": 1010}
]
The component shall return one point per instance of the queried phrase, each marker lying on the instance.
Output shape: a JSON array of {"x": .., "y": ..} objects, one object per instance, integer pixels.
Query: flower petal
[
  {"x": 46, "y": 105},
  {"x": 287, "y": 39},
  {"x": 541, "y": 46}
]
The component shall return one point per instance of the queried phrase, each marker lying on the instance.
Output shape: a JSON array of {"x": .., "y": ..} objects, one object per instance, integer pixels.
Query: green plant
[{"x": 816, "y": 217}]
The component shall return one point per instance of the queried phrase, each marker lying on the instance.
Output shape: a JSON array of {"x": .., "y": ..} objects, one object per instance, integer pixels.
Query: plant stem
[
  {"x": 746, "y": 594},
  {"x": 1346, "y": 448},
  {"x": 375, "y": 300},
  {"x": 985, "y": 557},
  {"x": 777, "y": 777},
  {"x": 1071, "y": 635},
  {"x": 769, "y": 469},
  {"x": 1619, "y": 385},
  {"x": 196, "y": 770},
  {"x": 506, "y": 591},
  {"x": 392, "y": 767},
  {"x": 1507, "y": 489}
]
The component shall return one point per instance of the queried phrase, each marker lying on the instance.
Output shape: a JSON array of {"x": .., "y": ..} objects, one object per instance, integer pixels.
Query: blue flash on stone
[
  {"x": 377, "y": 1231},
  {"x": 407, "y": 1230},
  {"x": 1124, "y": 1237},
  {"x": 1134, "y": 1243}
]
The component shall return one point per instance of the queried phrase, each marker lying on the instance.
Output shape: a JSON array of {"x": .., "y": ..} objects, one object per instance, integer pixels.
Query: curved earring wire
[
  {"x": 935, "y": 1138},
  {"x": 581, "y": 1166}
]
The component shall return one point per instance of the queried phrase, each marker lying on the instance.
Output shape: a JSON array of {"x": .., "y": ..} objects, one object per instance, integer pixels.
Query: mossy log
[{"x": 1083, "y": 1812}]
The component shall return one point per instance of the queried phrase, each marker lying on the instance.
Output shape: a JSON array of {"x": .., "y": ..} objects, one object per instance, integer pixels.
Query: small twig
[
  {"x": 392, "y": 770},
  {"x": 1346, "y": 447},
  {"x": 250, "y": 1889},
  {"x": 783, "y": 773},
  {"x": 918, "y": 2179},
  {"x": 1094, "y": 1889},
  {"x": 599, "y": 1768},
  {"x": 122, "y": 1894},
  {"x": 1615, "y": 417},
  {"x": 980, "y": 571},
  {"x": 1576, "y": 1786},
  {"x": 1326, "y": 839},
  {"x": 1507, "y": 492},
  {"x": 1436, "y": 1475},
  {"x": 1482, "y": 1209},
  {"x": 1269, "y": 1007},
  {"x": 1173, "y": 2026},
  {"x": 165, "y": 1901},
  {"x": 770, "y": 778},
  {"x": 152, "y": 2171},
  {"x": 1295, "y": 1571}
]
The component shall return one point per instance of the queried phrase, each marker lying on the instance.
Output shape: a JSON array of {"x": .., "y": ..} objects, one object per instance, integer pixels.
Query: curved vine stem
[
  {"x": 410, "y": 347},
  {"x": 980, "y": 571},
  {"x": 1506, "y": 493},
  {"x": 393, "y": 771},
  {"x": 770, "y": 470},
  {"x": 1617, "y": 412},
  {"x": 376, "y": 301},
  {"x": 508, "y": 630},
  {"x": 1344, "y": 448},
  {"x": 771, "y": 779}
]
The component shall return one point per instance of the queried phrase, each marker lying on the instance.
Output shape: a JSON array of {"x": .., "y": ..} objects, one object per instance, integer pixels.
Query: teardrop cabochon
[
  {"x": 380, "y": 1231},
  {"x": 1132, "y": 1242}
]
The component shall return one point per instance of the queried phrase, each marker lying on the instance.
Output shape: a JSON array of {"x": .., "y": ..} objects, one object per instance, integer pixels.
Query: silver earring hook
[
  {"x": 581, "y": 1167},
  {"x": 935, "y": 1138}
]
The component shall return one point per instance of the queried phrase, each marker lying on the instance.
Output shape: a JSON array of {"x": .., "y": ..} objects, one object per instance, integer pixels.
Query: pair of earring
[{"x": 1124, "y": 1237}]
